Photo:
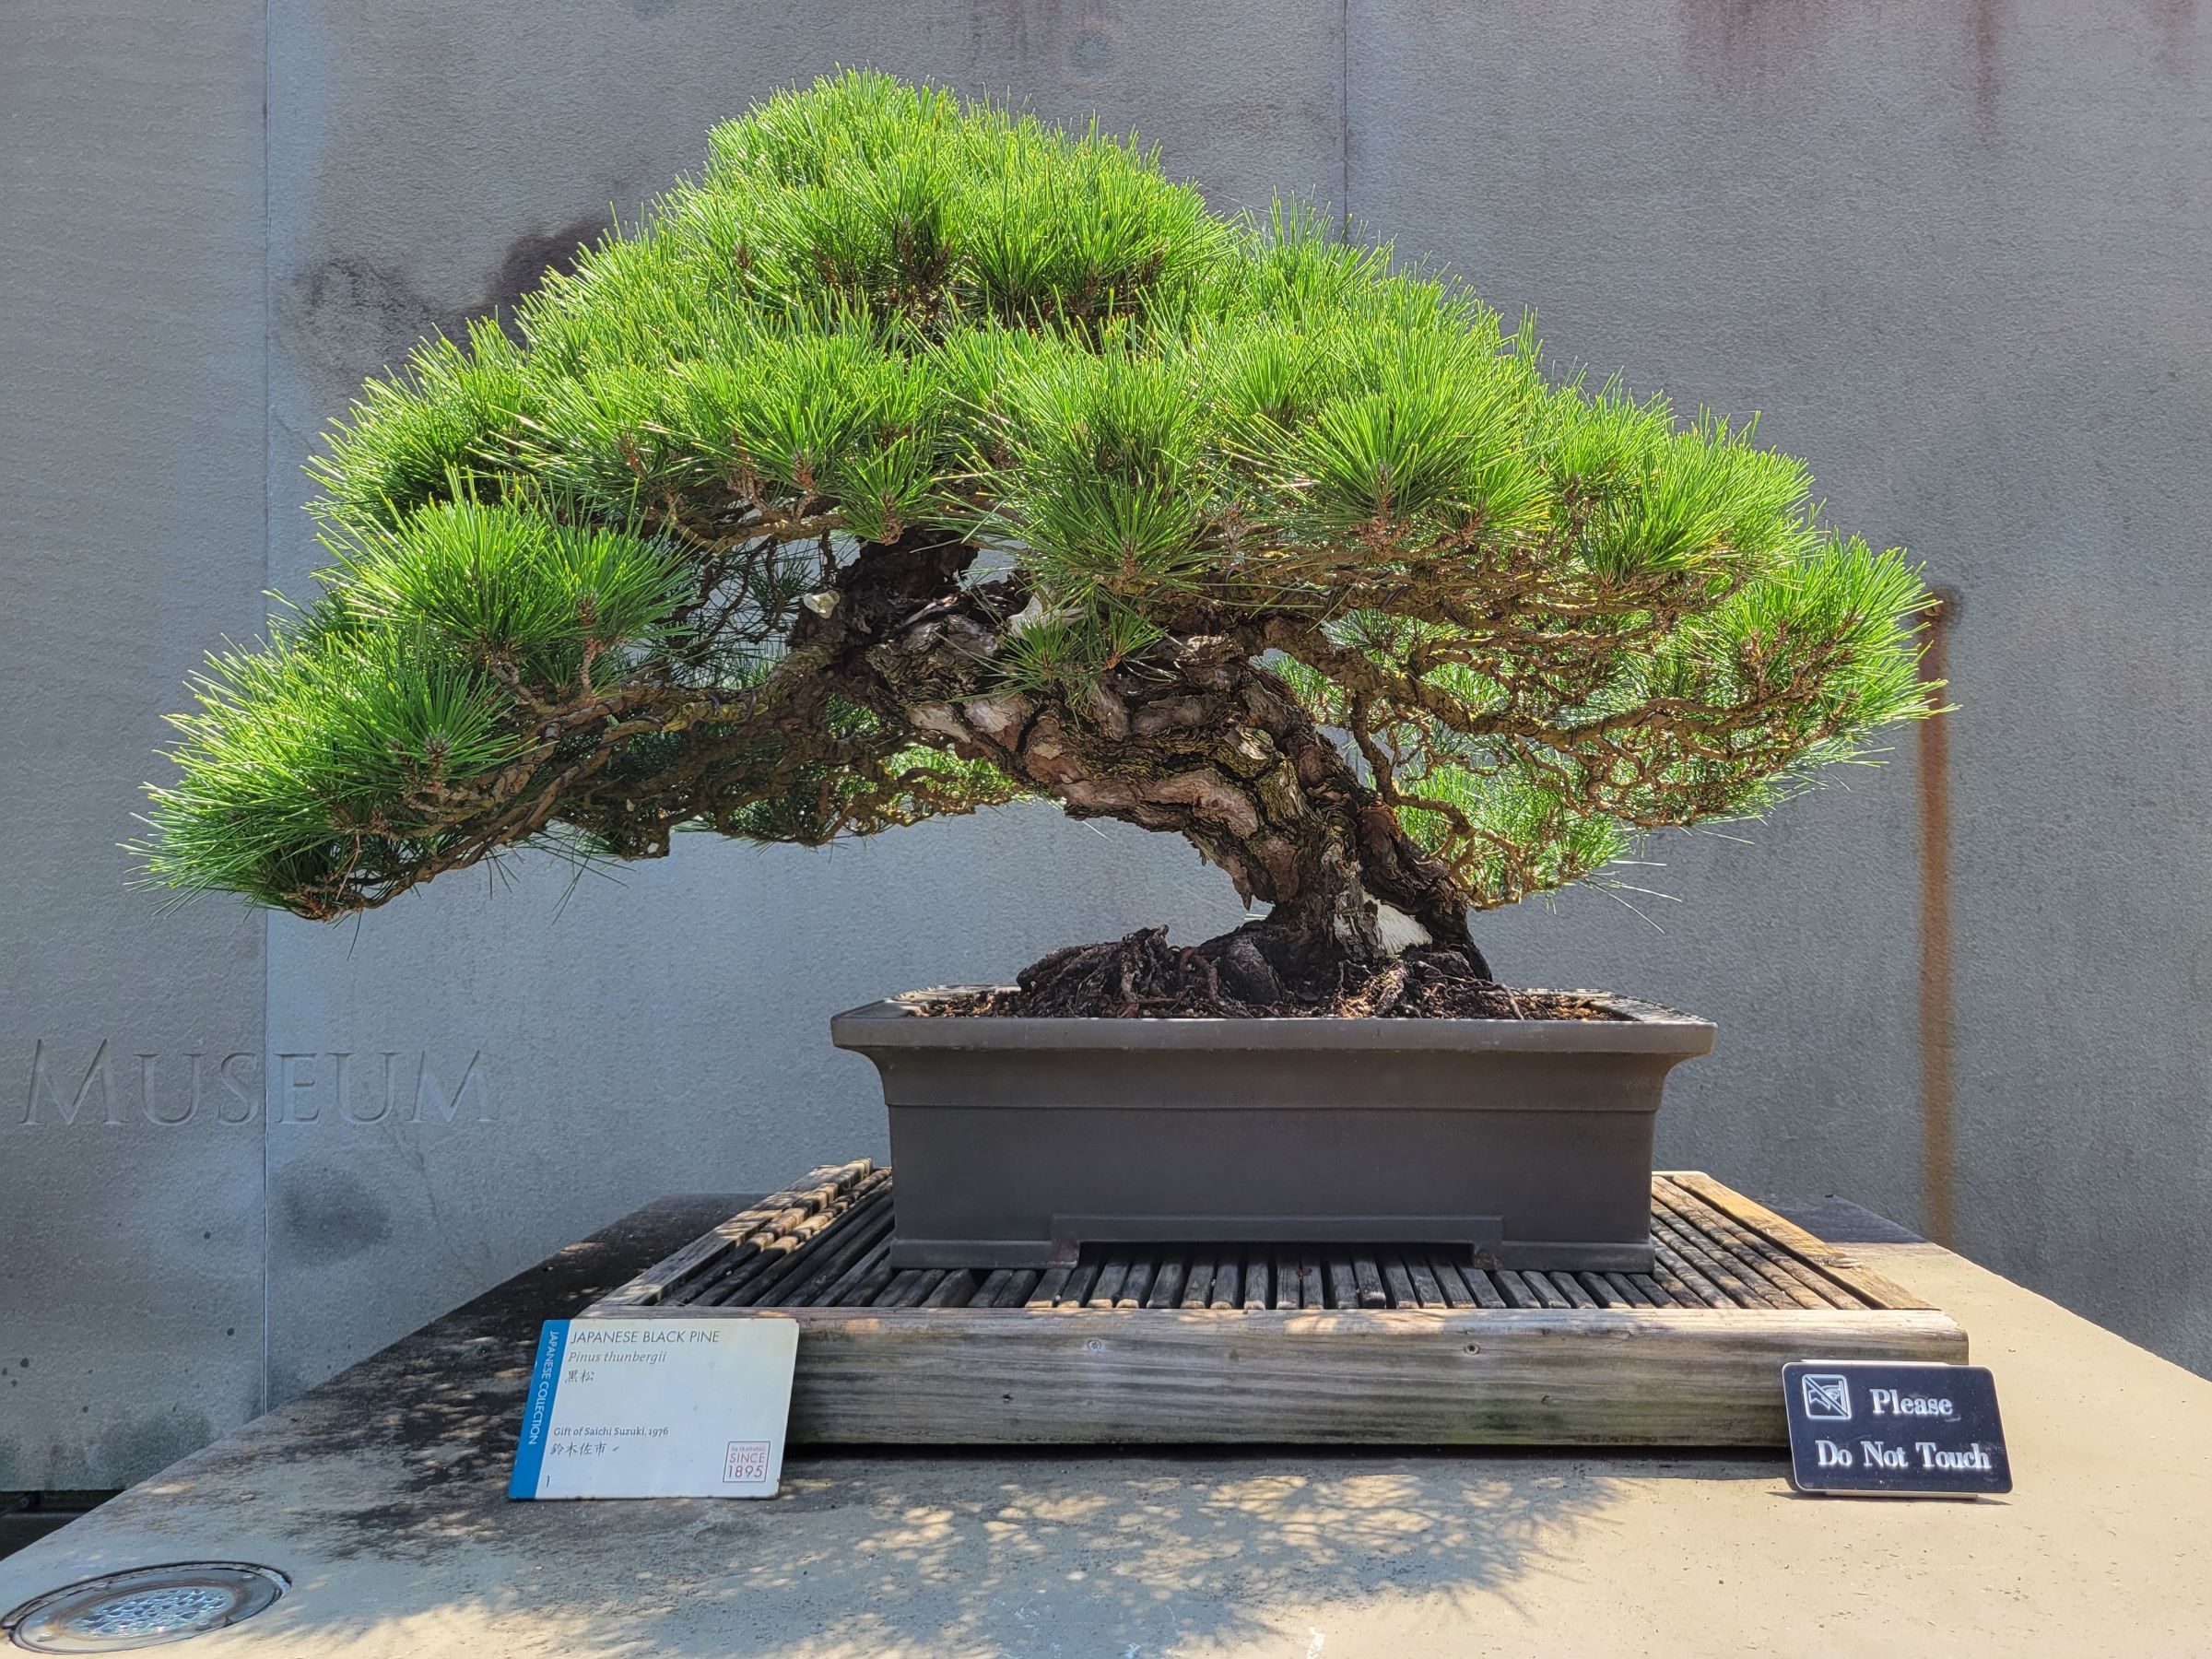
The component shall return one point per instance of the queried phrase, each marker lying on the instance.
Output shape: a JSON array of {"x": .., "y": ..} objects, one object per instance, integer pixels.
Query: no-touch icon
[{"x": 1827, "y": 1396}]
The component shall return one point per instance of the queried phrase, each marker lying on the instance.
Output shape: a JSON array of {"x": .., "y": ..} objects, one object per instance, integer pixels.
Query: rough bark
[{"x": 1198, "y": 738}]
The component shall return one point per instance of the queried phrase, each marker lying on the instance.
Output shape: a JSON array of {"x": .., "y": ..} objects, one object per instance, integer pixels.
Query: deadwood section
[{"x": 1215, "y": 1342}]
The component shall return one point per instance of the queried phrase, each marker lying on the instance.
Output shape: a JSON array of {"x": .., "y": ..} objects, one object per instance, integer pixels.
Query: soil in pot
[{"x": 1143, "y": 976}]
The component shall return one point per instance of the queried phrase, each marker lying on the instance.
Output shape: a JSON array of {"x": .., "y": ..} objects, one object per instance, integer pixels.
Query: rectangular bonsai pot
[{"x": 1512, "y": 1143}]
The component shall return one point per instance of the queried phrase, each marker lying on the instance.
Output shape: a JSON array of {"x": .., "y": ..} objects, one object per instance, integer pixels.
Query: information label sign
[
  {"x": 650, "y": 1407},
  {"x": 1900, "y": 1429}
]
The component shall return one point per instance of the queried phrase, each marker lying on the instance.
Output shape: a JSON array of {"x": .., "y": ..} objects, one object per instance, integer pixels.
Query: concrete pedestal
[{"x": 382, "y": 1495}]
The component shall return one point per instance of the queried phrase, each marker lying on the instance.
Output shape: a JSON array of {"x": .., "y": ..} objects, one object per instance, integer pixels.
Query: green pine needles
[{"x": 921, "y": 457}]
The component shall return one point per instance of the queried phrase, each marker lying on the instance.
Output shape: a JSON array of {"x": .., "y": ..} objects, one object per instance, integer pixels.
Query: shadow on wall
[{"x": 355, "y": 316}]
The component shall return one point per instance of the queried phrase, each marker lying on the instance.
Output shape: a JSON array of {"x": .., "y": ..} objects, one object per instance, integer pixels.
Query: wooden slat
[
  {"x": 1686, "y": 1277},
  {"x": 1453, "y": 1283},
  {"x": 1198, "y": 1284},
  {"x": 865, "y": 1224},
  {"x": 1113, "y": 1273},
  {"x": 1398, "y": 1282},
  {"x": 1836, "y": 1262},
  {"x": 862, "y": 1282},
  {"x": 1555, "y": 1294},
  {"x": 1724, "y": 1237},
  {"x": 1794, "y": 1288},
  {"x": 1166, "y": 1283},
  {"x": 1744, "y": 1288},
  {"x": 1427, "y": 1289},
  {"x": 1080, "y": 1284},
  {"x": 1259, "y": 1282},
  {"x": 1343, "y": 1290},
  {"x": 1489, "y": 1293},
  {"x": 1367, "y": 1273},
  {"x": 1050, "y": 1286},
  {"x": 1571, "y": 1286},
  {"x": 1548, "y": 1293},
  {"x": 1309, "y": 1281},
  {"x": 1627, "y": 1294},
  {"x": 1482, "y": 1285},
  {"x": 1774, "y": 1286},
  {"x": 812, "y": 1213},
  {"x": 1287, "y": 1292},
  {"x": 653, "y": 1286},
  {"x": 1742, "y": 1283},
  {"x": 1663, "y": 1289},
  {"x": 788, "y": 1259},
  {"x": 1578, "y": 1376},
  {"x": 1139, "y": 1283},
  {"x": 955, "y": 1290},
  {"x": 1518, "y": 1291},
  {"x": 1228, "y": 1284},
  {"x": 1600, "y": 1293},
  {"x": 907, "y": 1287}
]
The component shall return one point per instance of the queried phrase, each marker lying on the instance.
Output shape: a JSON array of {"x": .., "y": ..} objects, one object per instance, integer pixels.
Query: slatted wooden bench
[{"x": 1242, "y": 1343}]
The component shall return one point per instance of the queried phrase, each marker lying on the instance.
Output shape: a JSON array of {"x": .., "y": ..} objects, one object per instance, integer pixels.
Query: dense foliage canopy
[{"x": 919, "y": 456}]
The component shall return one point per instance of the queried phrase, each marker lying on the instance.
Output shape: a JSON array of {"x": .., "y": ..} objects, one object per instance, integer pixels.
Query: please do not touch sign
[{"x": 1904, "y": 1430}]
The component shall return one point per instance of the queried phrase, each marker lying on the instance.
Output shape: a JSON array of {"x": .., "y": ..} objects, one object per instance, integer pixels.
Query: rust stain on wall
[
  {"x": 1938, "y": 1138},
  {"x": 1983, "y": 25}
]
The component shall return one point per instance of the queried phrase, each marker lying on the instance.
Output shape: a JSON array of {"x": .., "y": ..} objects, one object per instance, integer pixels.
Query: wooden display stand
[{"x": 1338, "y": 1343}]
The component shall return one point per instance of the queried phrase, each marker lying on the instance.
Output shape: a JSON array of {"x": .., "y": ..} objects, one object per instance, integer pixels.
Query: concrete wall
[
  {"x": 1956, "y": 254},
  {"x": 132, "y": 444}
]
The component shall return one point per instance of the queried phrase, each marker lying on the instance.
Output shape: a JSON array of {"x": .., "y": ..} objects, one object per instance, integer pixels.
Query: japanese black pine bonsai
[{"x": 920, "y": 457}]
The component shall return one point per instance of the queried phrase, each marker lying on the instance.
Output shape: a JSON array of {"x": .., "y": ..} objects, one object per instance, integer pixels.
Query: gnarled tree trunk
[{"x": 1198, "y": 738}]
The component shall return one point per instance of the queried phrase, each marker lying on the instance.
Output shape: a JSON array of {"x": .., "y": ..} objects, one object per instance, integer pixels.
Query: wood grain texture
[
  {"x": 1833, "y": 1260},
  {"x": 748, "y": 1227},
  {"x": 981, "y": 1376},
  {"x": 1207, "y": 1342}
]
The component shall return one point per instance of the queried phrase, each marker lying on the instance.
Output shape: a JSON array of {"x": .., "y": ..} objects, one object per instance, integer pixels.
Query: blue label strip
[{"x": 537, "y": 1416}]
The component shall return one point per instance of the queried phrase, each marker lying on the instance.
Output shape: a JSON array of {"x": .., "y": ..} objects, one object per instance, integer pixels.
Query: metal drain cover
[{"x": 144, "y": 1607}]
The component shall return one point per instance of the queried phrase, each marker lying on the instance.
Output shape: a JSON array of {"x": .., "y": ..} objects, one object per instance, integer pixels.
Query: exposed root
[{"x": 1143, "y": 976}]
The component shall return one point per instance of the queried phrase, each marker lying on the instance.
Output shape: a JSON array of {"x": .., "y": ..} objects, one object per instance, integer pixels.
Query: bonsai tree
[{"x": 920, "y": 457}]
